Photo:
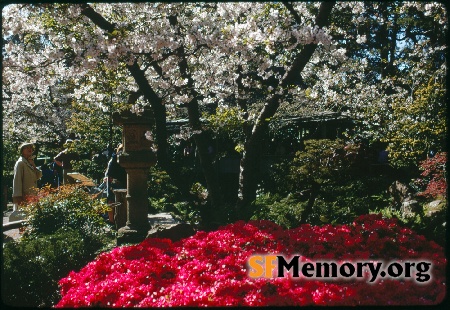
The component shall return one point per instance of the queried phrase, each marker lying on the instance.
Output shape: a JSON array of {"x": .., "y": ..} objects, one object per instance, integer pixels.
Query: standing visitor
[
  {"x": 26, "y": 175},
  {"x": 116, "y": 171},
  {"x": 64, "y": 158},
  {"x": 49, "y": 176},
  {"x": 116, "y": 178}
]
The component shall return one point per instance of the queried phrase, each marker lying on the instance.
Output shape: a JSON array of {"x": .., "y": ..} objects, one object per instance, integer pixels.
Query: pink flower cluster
[{"x": 210, "y": 268}]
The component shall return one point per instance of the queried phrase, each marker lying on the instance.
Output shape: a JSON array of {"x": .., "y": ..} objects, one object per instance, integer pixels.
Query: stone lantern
[{"x": 136, "y": 158}]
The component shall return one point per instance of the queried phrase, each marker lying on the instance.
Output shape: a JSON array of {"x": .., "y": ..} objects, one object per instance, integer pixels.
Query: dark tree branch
[
  {"x": 201, "y": 141},
  {"x": 144, "y": 87},
  {"x": 303, "y": 58},
  {"x": 294, "y": 13},
  {"x": 96, "y": 18}
]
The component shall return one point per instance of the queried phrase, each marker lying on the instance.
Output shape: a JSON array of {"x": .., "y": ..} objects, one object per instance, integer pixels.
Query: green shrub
[
  {"x": 66, "y": 207},
  {"x": 187, "y": 212},
  {"x": 285, "y": 211},
  {"x": 33, "y": 266},
  {"x": 330, "y": 175},
  {"x": 322, "y": 162},
  {"x": 160, "y": 186},
  {"x": 164, "y": 196},
  {"x": 65, "y": 231},
  {"x": 94, "y": 169},
  {"x": 338, "y": 201}
]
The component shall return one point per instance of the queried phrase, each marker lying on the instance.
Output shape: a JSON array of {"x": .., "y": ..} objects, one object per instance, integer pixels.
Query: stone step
[{"x": 162, "y": 218}]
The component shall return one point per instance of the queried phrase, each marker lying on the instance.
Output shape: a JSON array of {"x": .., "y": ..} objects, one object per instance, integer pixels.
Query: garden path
[
  {"x": 12, "y": 234},
  {"x": 153, "y": 219}
]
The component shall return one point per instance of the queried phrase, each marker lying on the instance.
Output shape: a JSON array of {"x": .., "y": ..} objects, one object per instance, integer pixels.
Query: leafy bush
[
  {"x": 93, "y": 168},
  {"x": 288, "y": 211},
  {"x": 164, "y": 196},
  {"x": 65, "y": 230},
  {"x": 340, "y": 203},
  {"x": 431, "y": 186},
  {"x": 285, "y": 212},
  {"x": 199, "y": 213},
  {"x": 187, "y": 212},
  {"x": 33, "y": 266},
  {"x": 192, "y": 208},
  {"x": 328, "y": 182},
  {"x": 161, "y": 187},
  {"x": 336, "y": 202},
  {"x": 226, "y": 122},
  {"x": 324, "y": 161},
  {"x": 66, "y": 207}
]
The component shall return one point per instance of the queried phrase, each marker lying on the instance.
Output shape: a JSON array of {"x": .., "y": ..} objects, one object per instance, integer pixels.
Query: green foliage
[
  {"x": 10, "y": 154},
  {"x": 192, "y": 206},
  {"x": 90, "y": 168},
  {"x": 340, "y": 203},
  {"x": 200, "y": 193},
  {"x": 335, "y": 204},
  {"x": 160, "y": 186},
  {"x": 162, "y": 192},
  {"x": 227, "y": 122},
  {"x": 283, "y": 211},
  {"x": 95, "y": 126},
  {"x": 33, "y": 266},
  {"x": 188, "y": 212},
  {"x": 321, "y": 162},
  {"x": 239, "y": 148},
  {"x": 164, "y": 196},
  {"x": 67, "y": 207},
  {"x": 65, "y": 231},
  {"x": 92, "y": 118},
  {"x": 329, "y": 175},
  {"x": 418, "y": 127},
  {"x": 346, "y": 188},
  {"x": 277, "y": 179}
]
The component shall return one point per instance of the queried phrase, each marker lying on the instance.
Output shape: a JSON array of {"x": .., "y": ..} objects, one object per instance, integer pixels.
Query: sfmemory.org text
[{"x": 270, "y": 266}]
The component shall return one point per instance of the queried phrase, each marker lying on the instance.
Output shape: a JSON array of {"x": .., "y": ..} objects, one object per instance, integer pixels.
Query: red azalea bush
[{"x": 210, "y": 269}]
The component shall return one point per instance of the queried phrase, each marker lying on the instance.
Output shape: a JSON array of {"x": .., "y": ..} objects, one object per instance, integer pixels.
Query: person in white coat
[{"x": 26, "y": 175}]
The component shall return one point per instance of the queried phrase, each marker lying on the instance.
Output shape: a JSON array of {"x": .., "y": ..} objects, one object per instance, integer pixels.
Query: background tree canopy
[{"x": 67, "y": 67}]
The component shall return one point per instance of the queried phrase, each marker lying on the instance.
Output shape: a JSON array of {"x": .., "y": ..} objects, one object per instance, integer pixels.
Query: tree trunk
[
  {"x": 250, "y": 162},
  {"x": 159, "y": 113},
  {"x": 208, "y": 169},
  {"x": 251, "y": 159},
  {"x": 201, "y": 141}
]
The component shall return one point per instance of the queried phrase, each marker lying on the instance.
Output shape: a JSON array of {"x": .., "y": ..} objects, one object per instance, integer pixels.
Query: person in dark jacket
[
  {"x": 116, "y": 171},
  {"x": 64, "y": 158},
  {"x": 115, "y": 175}
]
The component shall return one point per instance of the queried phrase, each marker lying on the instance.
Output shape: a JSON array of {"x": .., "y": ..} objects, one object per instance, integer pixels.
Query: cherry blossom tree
[
  {"x": 256, "y": 57},
  {"x": 73, "y": 40}
]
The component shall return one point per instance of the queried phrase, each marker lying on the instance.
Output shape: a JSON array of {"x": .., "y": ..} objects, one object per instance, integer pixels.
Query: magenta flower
[{"x": 211, "y": 269}]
